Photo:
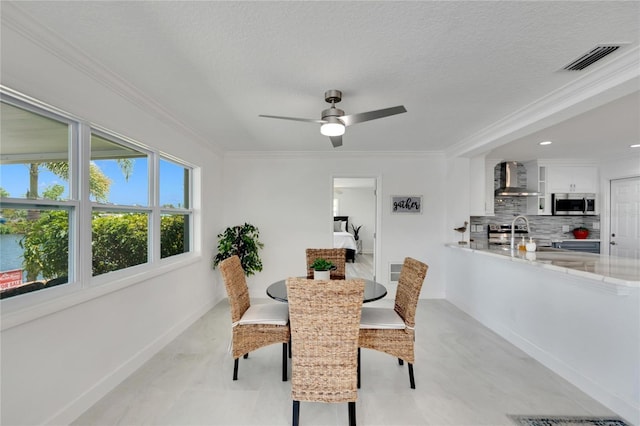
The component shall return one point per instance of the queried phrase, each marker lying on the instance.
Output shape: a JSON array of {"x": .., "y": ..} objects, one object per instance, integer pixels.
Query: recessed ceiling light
[
  {"x": 546, "y": 143},
  {"x": 635, "y": 145}
]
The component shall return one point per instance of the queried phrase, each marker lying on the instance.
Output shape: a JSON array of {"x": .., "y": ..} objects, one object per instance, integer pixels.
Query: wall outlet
[
  {"x": 596, "y": 225},
  {"x": 565, "y": 228}
]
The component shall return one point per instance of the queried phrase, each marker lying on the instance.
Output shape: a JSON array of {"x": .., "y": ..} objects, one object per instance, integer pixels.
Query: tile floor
[
  {"x": 465, "y": 375},
  {"x": 361, "y": 268}
]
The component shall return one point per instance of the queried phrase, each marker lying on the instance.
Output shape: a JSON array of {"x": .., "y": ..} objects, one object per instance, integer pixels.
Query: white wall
[
  {"x": 456, "y": 184},
  {"x": 360, "y": 205},
  {"x": 59, "y": 358},
  {"x": 299, "y": 213}
]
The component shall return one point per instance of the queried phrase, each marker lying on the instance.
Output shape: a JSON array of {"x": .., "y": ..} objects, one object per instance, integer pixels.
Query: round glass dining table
[{"x": 372, "y": 291}]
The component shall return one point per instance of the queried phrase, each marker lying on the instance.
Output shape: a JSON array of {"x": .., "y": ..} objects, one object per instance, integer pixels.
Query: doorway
[
  {"x": 625, "y": 218},
  {"x": 356, "y": 198}
]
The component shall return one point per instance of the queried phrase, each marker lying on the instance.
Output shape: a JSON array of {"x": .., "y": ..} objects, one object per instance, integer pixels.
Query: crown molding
[
  {"x": 23, "y": 24},
  {"x": 615, "y": 79},
  {"x": 331, "y": 155}
]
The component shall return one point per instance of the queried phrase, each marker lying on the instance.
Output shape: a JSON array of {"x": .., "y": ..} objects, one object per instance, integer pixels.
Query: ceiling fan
[{"x": 334, "y": 121}]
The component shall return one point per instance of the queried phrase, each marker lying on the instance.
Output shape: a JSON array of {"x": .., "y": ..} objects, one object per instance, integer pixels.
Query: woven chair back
[
  {"x": 236, "y": 284},
  {"x": 412, "y": 276},
  {"x": 325, "y": 320},
  {"x": 335, "y": 255}
]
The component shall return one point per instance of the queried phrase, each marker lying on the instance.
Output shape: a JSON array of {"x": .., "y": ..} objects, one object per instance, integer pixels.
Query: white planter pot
[{"x": 321, "y": 275}]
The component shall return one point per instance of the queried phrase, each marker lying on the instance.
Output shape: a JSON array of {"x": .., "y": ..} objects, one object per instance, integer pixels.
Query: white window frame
[
  {"x": 187, "y": 211},
  {"x": 72, "y": 204},
  {"x": 82, "y": 285}
]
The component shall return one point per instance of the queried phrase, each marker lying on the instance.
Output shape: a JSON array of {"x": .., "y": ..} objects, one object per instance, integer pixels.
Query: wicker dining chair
[
  {"x": 253, "y": 326},
  {"x": 325, "y": 321},
  {"x": 335, "y": 255},
  {"x": 392, "y": 330}
]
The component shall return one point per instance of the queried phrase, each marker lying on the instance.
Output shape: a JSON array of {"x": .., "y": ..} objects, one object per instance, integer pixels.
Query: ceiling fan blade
[
  {"x": 336, "y": 141},
  {"x": 308, "y": 120},
  {"x": 348, "y": 120}
]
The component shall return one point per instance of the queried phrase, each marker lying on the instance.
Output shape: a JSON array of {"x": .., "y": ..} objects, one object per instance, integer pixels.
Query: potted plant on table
[
  {"x": 581, "y": 233},
  {"x": 241, "y": 240},
  {"x": 322, "y": 269}
]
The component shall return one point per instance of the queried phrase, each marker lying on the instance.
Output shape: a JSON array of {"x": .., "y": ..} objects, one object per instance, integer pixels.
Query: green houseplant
[
  {"x": 321, "y": 268},
  {"x": 355, "y": 232},
  {"x": 241, "y": 240},
  {"x": 321, "y": 264}
]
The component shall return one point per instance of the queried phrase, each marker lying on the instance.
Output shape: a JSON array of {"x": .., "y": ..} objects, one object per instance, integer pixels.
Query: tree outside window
[{"x": 40, "y": 203}]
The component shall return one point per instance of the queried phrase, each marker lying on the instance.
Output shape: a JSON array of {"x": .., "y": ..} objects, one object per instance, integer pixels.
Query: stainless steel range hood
[{"x": 508, "y": 183}]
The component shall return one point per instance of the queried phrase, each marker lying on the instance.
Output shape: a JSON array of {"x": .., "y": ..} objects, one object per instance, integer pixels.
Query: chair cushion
[
  {"x": 381, "y": 318},
  {"x": 267, "y": 313}
]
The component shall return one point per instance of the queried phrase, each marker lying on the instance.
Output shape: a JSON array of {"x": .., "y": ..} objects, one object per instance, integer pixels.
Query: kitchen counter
[
  {"x": 618, "y": 272},
  {"x": 576, "y": 313}
]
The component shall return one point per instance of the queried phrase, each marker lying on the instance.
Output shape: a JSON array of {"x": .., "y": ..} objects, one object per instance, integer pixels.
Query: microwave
[{"x": 573, "y": 204}]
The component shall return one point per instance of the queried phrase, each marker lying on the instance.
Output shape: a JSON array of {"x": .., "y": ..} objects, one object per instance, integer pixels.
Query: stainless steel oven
[
  {"x": 500, "y": 234},
  {"x": 573, "y": 204}
]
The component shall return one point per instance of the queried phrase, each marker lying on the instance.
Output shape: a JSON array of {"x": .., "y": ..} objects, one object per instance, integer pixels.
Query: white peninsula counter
[{"x": 576, "y": 313}]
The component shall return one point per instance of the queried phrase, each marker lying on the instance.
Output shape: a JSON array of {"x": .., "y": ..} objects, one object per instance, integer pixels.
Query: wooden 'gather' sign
[{"x": 406, "y": 204}]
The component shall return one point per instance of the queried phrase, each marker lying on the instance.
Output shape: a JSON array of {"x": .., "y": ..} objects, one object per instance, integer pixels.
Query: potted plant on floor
[
  {"x": 322, "y": 269},
  {"x": 241, "y": 240},
  {"x": 356, "y": 237},
  {"x": 581, "y": 233},
  {"x": 355, "y": 232}
]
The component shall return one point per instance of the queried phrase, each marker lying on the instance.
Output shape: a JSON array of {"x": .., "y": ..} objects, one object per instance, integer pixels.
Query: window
[
  {"x": 118, "y": 174},
  {"x": 175, "y": 184},
  {"x": 37, "y": 208},
  {"x": 34, "y": 249},
  {"x": 118, "y": 240},
  {"x": 135, "y": 203},
  {"x": 118, "y": 177},
  {"x": 35, "y": 154}
]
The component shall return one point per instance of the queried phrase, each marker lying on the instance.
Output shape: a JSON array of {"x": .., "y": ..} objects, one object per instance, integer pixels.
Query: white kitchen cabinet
[
  {"x": 481, "y": 186},
  {"x": 537, "y": 180},
  {"x": 572, "y": 178}
]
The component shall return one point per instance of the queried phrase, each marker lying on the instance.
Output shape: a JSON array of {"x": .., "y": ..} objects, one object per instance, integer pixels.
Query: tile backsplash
[
  {"x": 543, "y": 229},
  {"x": 510, "y": 206}
]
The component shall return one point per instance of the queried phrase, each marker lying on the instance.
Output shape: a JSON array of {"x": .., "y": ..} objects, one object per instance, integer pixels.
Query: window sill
[{"x": 21, "y": 309}]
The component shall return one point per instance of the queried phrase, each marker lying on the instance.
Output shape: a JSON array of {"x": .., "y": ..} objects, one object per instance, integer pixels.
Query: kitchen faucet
[{"x": 513, "y": 228}]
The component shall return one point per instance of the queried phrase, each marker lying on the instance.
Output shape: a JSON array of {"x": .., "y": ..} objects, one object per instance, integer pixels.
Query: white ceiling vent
[{"x": 591, "y": 56}]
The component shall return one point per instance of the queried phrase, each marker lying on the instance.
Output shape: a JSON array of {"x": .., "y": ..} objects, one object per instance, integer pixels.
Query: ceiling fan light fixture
[
  {"x": 333, "y": 120},
  {"x": 333, "y": 127}
]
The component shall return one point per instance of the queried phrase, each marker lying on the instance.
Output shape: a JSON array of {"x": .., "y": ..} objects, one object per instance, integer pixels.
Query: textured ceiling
[{"x": 458, "y": 67}]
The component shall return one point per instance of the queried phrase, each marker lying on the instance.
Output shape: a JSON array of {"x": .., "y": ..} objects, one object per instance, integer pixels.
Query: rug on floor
[{"x": 567, "y": 421}]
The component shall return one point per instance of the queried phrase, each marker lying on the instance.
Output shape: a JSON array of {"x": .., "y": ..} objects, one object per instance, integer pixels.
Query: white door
[{"x": 625, "y": 218}]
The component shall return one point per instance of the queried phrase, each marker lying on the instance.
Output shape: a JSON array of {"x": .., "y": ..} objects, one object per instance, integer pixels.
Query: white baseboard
[
  {"x": 628, "y": 410},
  {"x": 75, "y": 408}
]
